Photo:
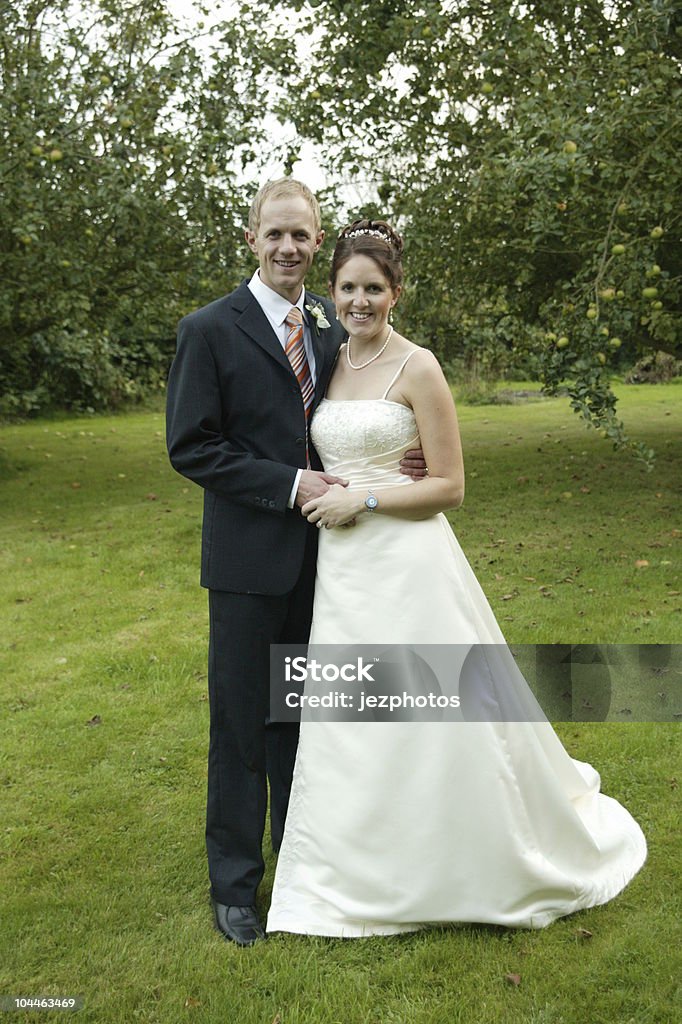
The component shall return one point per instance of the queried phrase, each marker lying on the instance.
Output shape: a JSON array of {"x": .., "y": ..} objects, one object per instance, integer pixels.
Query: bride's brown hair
[{"x": 373, "y": 238}]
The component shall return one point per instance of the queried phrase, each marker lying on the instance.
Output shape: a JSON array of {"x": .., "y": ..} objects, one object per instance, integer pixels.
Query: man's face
[{"x": 285, "y": 244}]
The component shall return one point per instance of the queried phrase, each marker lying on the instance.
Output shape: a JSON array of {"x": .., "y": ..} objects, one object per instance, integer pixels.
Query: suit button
[
  {"x": 300, "y": 441},
  {"x": 271, "y": 504},
  {"x": 257, "y": 500}
]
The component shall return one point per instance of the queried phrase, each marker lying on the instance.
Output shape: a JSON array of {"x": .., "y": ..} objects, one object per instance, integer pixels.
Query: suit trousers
[{"x": 244, "y": 747}]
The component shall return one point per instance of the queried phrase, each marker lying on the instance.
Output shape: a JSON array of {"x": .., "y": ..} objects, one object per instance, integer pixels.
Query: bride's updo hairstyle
[{"x": 373, "y": 238}]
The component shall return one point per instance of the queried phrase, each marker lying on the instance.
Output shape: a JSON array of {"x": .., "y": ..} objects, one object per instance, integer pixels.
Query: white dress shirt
[{"x": 276, "y": 309}]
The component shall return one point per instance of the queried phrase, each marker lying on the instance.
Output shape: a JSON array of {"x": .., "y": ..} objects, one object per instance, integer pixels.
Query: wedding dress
[{"x": 393, "y": 825}]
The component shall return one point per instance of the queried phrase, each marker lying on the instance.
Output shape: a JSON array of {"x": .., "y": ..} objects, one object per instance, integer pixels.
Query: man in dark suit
[
  {"x": 239, "y": 403},
  {"x": 249, "y": 370}
]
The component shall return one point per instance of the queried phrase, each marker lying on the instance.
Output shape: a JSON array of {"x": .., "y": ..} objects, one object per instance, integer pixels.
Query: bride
[{"x": 393, "y": 825}]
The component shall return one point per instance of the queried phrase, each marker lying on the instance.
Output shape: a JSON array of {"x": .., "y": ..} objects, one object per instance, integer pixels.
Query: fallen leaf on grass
[
  {"x": 75, "y": 485},
  {"x": 641, "y": 563},
  {"x": 95, "y": 720},
  {"x": 191, "y": 1003},
  {"x": 151, "y": 496},
  {"x": 513, "y": 979},
  {"x": 277, "y": 1019},
  {"x": 583, "y": 933}
]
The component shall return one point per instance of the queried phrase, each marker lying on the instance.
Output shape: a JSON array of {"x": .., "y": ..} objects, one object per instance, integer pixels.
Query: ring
[
  {"x": 318, "y": 524},
  {"x": 426, "y": 470}
]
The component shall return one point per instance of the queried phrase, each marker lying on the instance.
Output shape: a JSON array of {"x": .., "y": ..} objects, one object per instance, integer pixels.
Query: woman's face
[{"x": 363, "y": 297}]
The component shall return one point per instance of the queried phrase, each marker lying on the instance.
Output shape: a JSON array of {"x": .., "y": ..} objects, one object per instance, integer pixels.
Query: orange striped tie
[{"x": 295, "y": 352}]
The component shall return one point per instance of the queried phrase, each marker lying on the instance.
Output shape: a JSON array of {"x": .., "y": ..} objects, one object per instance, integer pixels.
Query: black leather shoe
[{"x": 238, "y": 924}]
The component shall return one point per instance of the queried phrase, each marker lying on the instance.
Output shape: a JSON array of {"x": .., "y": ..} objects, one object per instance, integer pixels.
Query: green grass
[{"x": 105, "y": 724}]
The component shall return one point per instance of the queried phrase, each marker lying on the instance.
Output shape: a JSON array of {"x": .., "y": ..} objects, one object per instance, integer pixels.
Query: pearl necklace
[{"x": 361, "y": 366}]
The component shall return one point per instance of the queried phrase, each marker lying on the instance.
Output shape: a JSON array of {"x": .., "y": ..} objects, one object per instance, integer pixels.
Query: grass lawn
[{"x": 103, "y": 689}]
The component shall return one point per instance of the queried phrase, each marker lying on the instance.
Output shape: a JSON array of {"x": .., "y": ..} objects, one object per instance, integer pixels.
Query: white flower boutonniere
[{"x": 319, "y": 315}]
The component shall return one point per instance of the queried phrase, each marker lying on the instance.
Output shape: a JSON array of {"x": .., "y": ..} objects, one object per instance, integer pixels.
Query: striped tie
[{"x": 295, "y": 352}]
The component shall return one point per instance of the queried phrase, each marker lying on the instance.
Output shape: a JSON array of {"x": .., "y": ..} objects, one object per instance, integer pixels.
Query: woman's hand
[{"x": 337, "y": 507}]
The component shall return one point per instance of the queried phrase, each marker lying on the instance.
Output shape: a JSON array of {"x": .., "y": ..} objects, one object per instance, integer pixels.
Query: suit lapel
[
  {"x": 253, "y": 321},
  {"x": 324, "y": 349}
]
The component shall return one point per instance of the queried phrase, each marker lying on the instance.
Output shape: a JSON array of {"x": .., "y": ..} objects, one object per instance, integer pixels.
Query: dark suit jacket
[{"x": 236, "y": 426}]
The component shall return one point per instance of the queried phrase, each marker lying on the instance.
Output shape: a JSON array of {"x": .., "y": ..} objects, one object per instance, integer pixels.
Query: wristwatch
[{"x": 371, "y": 502}]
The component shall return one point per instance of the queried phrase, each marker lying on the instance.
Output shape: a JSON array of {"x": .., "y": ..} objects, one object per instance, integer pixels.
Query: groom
[{"x": 250, "y": 369}]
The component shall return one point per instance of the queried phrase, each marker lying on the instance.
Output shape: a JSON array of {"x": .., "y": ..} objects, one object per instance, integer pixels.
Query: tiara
[{"x": 368, "y": 231}]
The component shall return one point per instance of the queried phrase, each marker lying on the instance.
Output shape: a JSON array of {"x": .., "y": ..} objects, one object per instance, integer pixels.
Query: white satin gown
[{"x": 395, "y": 825}]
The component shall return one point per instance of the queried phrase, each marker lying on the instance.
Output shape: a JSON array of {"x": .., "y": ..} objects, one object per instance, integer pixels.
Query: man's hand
[
  {"x": 413, "y": 464},
  {"x": 314, "y": 484}
]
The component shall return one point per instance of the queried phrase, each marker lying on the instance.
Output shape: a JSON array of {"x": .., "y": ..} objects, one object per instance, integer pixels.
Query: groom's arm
[{"x": 196, "y": 446}]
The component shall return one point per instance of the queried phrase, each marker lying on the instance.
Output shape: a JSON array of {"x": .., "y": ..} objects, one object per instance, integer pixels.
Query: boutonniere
[{"x": 319, "y": 315}]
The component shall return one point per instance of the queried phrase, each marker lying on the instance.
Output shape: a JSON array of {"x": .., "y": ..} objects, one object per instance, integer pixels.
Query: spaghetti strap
[{"x": 399, "y": 371}]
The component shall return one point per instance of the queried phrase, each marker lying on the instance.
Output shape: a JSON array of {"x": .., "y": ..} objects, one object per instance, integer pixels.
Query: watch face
[{"x": 371, "y": 502}]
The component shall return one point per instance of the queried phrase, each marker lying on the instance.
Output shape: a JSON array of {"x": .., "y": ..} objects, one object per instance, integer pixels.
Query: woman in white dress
[{"x": 393, "y": 825}]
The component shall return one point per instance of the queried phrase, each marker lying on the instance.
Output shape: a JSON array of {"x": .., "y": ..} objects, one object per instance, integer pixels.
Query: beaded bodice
[{"x": 364, "y": 440}]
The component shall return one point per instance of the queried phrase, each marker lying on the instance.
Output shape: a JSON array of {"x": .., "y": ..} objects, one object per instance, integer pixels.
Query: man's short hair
[{"x": 281, "y": 189}]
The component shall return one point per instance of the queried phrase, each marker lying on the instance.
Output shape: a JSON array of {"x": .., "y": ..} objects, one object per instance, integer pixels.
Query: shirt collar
[{"x": 273, "y": 304}]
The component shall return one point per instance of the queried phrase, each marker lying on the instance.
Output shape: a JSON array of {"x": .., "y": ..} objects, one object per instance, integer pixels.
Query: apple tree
[
  {"x": 121, "y": 139},
  {"x": 530, "y": 154}
]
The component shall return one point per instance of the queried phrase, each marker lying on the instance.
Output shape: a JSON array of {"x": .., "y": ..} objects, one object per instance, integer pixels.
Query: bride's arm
[{"x": 424, "y": 387}]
